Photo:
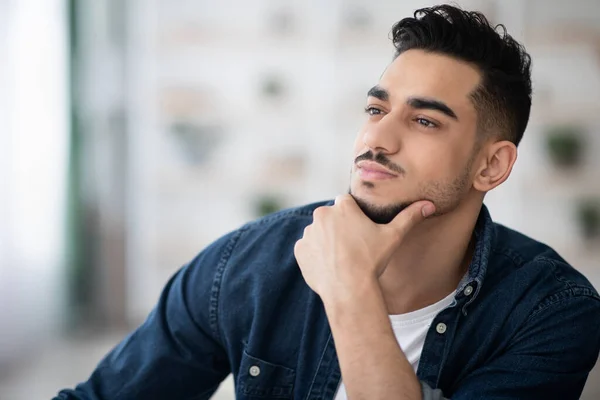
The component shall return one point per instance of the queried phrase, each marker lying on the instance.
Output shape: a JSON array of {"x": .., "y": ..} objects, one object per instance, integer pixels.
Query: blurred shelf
[
  {"x": 551, "y": 114},
  {"x": 580, "y": 182},
  {"x": 564, "y": 34},
  {"x": 586, "y": 259}
]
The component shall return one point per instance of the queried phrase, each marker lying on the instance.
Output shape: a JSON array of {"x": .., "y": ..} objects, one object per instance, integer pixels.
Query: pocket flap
[{"x": 260, "y": 378}]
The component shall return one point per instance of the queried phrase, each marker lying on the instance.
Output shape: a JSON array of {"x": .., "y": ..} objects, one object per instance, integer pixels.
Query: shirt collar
[{"x": 471, "y": 283}]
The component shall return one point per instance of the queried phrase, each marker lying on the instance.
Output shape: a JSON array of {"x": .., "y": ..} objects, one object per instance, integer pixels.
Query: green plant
[
  {"x": 196, "y": 141},
  {"x": 588, "y": 217},
  {"x": 267, "y": 204},
  {"x": 273, "y": 87},
  {"x": 565, "y": 145}
]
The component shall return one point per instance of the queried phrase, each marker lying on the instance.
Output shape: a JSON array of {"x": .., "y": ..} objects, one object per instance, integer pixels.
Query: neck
[{"x": 431, "y": 261}]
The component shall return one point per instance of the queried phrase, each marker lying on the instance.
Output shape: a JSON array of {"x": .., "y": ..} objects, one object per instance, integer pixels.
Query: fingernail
[{"x": 427, "y": 210}]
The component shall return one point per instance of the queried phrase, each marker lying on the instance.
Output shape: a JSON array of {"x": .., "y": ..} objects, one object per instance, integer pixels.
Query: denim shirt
[{"x": 523, "y": 325}]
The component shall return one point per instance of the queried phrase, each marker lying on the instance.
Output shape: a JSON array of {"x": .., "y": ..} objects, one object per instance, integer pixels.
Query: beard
[
  {"x": 446, "y": 196},
  {"x": 377, "y": 213}
]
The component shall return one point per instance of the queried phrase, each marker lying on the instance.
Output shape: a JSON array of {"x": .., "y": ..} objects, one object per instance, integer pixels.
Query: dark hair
[{"x": 503, "y": 99}]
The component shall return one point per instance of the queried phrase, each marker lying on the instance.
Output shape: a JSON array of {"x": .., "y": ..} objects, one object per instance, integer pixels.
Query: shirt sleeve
[
  {"x": 176, "y": 353},
  {"x": 550, "y": 357}
]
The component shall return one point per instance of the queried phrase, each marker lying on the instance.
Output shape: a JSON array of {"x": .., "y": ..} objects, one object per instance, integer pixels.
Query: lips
[{"x": 369, "y": 170}]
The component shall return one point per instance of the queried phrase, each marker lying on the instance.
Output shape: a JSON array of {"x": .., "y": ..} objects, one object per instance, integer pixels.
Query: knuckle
[
  {"x": 418, "y": 215},
  {"x": 341, "y": 199},
  {"x": 415, "y": 216},
  {"x": 345, "y": 199},
  {"x": 305, "y": 232},
  {"x": 319, "y": 212},
  {"x": 297, "y": 247}
]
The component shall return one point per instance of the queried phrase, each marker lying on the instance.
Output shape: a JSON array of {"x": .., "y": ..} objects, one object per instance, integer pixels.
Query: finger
[
  {"x": 347, "y": 203},
  {"x": 297, "y": 248},
  {"x": 410, "y": 217},
  {"x": 343, "y": 198},
  {"x": 319, "y": 214}
]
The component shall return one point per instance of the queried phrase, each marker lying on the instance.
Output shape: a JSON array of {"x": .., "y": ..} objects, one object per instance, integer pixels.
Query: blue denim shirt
[{"x": 523, "y": 325}]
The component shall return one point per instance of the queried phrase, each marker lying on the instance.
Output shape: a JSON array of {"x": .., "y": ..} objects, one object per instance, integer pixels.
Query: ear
[{"x": 497, "y": 160}]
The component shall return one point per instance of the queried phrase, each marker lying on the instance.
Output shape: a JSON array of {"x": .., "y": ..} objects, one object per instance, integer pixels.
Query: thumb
[{"x": 410, "y": 217}]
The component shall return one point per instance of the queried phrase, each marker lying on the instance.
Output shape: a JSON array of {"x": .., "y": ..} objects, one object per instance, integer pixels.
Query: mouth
[{"x": 372, "y": 171}]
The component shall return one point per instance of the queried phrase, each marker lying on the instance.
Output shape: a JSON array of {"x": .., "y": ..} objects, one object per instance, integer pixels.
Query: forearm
[{"x": 372, "y": 363}]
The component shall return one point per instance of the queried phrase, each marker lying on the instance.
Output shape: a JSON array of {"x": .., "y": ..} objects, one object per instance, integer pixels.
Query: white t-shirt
[{"x": 410, "y": 330}]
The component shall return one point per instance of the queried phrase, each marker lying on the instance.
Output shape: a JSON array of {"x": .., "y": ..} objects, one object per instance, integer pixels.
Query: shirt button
[
  {"x": 441, "y": 328},
  {"x": 254, "y": 370},
  {"x": 468, "y": 290}
]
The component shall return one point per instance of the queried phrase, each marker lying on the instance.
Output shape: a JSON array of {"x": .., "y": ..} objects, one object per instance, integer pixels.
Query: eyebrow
[
  {"x": 379, "y": 93},
  {"x": 420, "y": 103}
]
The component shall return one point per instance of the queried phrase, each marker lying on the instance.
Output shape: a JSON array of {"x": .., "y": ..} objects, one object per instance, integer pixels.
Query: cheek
[{"x": 435, "y": 163}]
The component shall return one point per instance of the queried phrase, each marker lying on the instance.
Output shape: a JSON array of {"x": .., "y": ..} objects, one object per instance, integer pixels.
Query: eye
[
  {"x": 425, "y": 123},
  {"x": 373, "y": 111}
]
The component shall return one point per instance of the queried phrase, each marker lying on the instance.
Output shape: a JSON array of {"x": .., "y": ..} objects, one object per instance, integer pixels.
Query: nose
[{"x": 382, "y": 136}]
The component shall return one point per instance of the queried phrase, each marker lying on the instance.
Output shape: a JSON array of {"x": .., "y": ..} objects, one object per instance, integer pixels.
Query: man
[{"x": 402, "y": 289}]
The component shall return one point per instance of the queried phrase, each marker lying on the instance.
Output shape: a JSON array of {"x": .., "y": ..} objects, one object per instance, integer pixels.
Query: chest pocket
[{"x": 259, "y": 379}]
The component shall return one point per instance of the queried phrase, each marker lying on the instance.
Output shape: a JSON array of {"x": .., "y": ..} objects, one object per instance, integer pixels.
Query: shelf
[
  {"x": 565, "y": 34},
  {"x": 565, "y": 113},
  {"x": 584, "y": 182}
]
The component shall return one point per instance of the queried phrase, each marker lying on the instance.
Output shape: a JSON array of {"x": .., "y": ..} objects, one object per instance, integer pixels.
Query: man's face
[{"x": 418, "y": 141}]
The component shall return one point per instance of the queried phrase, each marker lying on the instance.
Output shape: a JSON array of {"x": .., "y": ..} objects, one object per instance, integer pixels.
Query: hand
[{"x": 342, "y": 249}]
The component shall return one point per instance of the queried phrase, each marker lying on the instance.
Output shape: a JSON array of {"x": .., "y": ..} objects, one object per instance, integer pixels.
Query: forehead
[{"x": 432, "y": 75}]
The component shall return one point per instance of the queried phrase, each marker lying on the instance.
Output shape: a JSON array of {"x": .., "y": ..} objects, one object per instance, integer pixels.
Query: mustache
[{"x": 382, "y": 159}]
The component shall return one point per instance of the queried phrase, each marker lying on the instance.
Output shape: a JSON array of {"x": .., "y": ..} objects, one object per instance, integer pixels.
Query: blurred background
[{"x": 133, "y": 133}]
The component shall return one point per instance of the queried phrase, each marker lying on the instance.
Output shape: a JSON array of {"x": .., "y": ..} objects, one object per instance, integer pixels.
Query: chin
[{"x": 379, "y": 211}]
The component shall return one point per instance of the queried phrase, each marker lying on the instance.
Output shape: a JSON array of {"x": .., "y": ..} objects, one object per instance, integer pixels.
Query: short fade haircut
[{"x": 503, "y": 98}]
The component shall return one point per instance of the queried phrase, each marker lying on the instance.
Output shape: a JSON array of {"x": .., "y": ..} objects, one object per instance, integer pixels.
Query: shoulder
[
  {"x": 536, "y": 266},
  {"x": 530, "y": 291}
]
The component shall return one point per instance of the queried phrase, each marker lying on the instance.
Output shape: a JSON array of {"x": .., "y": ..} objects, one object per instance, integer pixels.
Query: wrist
[
  {"x": 354, "y": 301},
  {"x": 349, "y": 291}
]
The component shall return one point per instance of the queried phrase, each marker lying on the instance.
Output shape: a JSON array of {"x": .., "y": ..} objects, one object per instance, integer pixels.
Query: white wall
[{"x": 33, "y": 165}]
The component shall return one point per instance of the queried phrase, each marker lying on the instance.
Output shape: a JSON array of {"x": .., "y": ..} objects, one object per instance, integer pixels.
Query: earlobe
[{"x": 499, "y": 160}]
